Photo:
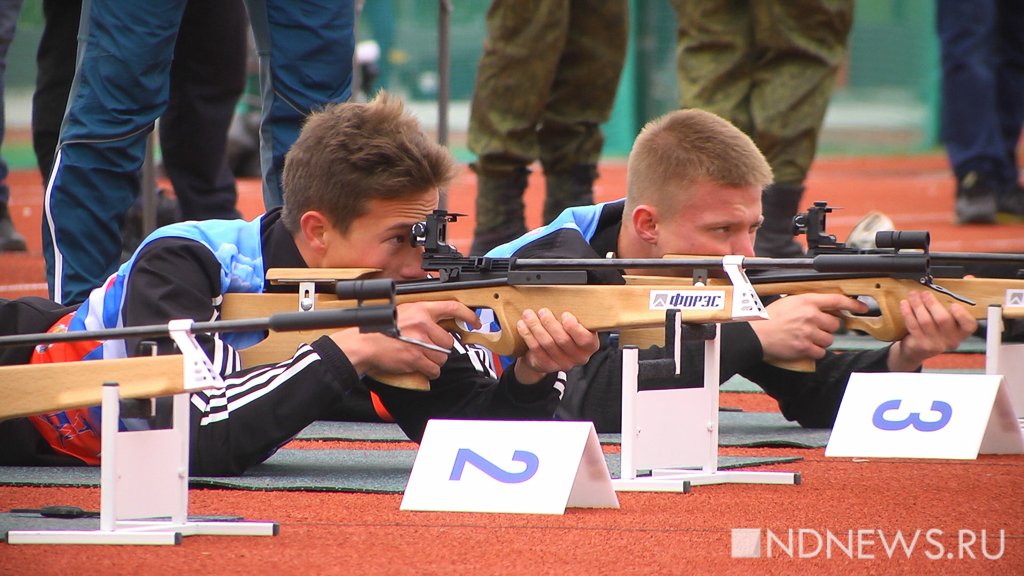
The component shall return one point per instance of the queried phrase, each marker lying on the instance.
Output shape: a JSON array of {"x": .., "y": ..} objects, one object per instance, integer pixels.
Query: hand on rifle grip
[
  {"x": 505, "y": 342},
  {"x": 887, "y": 326},
  {"x": 412, "y": 380}
]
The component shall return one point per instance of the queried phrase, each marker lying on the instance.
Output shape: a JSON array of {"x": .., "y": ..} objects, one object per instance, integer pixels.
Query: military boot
[
  {"x": 499, "y": 209},
  {"x": 574, "y": 187},
  {"x": 779, "y": 204},
  {"x": 10, "y": 239}
]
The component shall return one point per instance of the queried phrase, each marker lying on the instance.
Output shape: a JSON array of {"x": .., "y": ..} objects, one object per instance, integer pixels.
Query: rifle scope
[{"x": 913, "y": 239}]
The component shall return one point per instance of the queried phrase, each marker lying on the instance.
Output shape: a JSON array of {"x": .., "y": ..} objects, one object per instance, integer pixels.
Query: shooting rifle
[
  {"x": 37, "y": 388},
  {"x": 1001, "y": 281},
  {"x": 510, "y": 285},
  {"x": 942, "y": 264},
  {"x": 943, "y": 276}
]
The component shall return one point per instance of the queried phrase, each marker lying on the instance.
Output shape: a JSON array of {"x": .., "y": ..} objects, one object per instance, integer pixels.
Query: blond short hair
[
  {"x": 351, "y": 153},
  {"x": 684, "y": 147}
]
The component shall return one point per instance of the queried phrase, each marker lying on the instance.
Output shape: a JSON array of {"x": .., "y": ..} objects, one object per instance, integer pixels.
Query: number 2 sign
[
  {"x": 502, "y": 466},
  {"x": 466, "y": 456},
  {"x": 929, "y": 415}
]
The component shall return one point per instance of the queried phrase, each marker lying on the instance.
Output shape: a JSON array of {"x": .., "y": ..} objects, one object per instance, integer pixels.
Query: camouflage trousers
[
  {"x": 546, "y": 82},
  {"x": 766, "y": 66}
]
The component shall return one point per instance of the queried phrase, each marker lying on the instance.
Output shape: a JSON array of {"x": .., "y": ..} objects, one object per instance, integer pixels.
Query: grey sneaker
[
  {"x": 10, "y": 239},
  {"x": 975, "y": 200}
]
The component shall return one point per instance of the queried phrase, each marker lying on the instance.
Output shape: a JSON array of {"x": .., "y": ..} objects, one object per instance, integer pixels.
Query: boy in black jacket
[{"x": 356, "y": 181}]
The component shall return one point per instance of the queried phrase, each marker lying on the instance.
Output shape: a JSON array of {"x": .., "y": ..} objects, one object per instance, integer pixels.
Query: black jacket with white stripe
[{"x": 262, "y": 407}]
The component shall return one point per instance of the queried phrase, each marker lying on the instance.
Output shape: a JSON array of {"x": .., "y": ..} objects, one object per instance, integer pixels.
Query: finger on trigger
[
  {"x": 455, "y": 310},
  {"x": 852, "y": 304}
]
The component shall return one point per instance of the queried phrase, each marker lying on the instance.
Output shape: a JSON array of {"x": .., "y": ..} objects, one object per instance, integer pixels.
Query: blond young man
[{"x": 694, "y": 187}]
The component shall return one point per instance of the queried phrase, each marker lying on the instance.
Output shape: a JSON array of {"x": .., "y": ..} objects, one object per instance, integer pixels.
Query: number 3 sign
[
  {"x": 928, "y": 415},
  {"x": 880, "y": 421}
]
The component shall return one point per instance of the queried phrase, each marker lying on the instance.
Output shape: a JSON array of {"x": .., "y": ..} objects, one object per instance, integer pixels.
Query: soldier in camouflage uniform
[
  {"x": 769, "y": 68},
  {"x": 545, "y": 83}
]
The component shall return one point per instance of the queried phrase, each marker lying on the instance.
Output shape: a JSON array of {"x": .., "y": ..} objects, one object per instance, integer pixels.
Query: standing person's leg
[
  {"x": 715, "y": 61},
  {"x": 970, "y": 123},
  {"x": 207, "y": 79},
  {"x": 799, "y": 47},
  {"x": 305, "y": 49},
  {"x": 10, "y": 239},
  {"x": 714, "y": 58},
  {"x": 55, "y": 70},
  {"x": 1010, "y": 79},
  {"x": 582, "y": 95},
  {"x": 120, "y": 88},
  {"x": 524, "y": 43}
]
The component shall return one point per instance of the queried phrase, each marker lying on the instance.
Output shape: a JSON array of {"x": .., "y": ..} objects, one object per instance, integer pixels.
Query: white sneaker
[{"x": 862, "y": 236}]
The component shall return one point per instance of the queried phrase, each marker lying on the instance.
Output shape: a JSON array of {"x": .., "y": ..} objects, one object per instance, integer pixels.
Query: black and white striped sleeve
[{"x": 260, "y": 407}]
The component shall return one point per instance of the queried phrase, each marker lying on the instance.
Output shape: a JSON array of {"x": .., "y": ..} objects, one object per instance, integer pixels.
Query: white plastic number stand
[
  {"x": 144, "y": 474},
  {"x": 674, "y": 433},
  {"x": 1005, "y": 359},
  {"x": 522, "y": 466},
  {"x": 930, "y": 415}
]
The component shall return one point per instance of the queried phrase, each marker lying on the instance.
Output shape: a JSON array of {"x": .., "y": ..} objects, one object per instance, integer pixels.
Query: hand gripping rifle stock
[
  {"x": 976, "y": 279},
  {"x": 888, "y": 325},
  {"x": 899, "y": 264}
]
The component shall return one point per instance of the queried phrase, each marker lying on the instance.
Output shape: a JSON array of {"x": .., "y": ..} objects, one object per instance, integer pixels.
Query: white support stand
[
  {"x": 144, "y": 474},
  {"x": 629, "y": 480},
  {"x": 674, "y": 433},
  {"x": 1006, "y": 360}
]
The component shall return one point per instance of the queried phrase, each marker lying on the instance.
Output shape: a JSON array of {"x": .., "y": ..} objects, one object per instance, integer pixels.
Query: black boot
[
  {"x": 976, "y": 199},
  {"x": 499, "y": 209},
  {"x": 779, "y": 204},
  {"x": 10, "y": 239},
  {"x": 574, "y": 187},
  {"x": 1010, "y": 205},
  {"x": 167, "y": 212}
]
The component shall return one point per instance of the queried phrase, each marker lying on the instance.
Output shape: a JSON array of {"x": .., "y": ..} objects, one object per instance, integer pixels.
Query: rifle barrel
[
  {"x": 859, "y": 263},
  {"x": 377, "y": 317},
  {"x": 980, "y": 256}
]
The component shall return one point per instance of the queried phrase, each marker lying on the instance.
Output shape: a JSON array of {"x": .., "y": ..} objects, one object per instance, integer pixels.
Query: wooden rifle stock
[
  {"x": 37, "y": 388},
  {"x": 887, "y": 292},
  {"x": 597, "y": 307}
]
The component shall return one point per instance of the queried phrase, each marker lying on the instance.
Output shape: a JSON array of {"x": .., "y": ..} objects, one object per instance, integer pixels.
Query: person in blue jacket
[{"x": 357, "y": 180}]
